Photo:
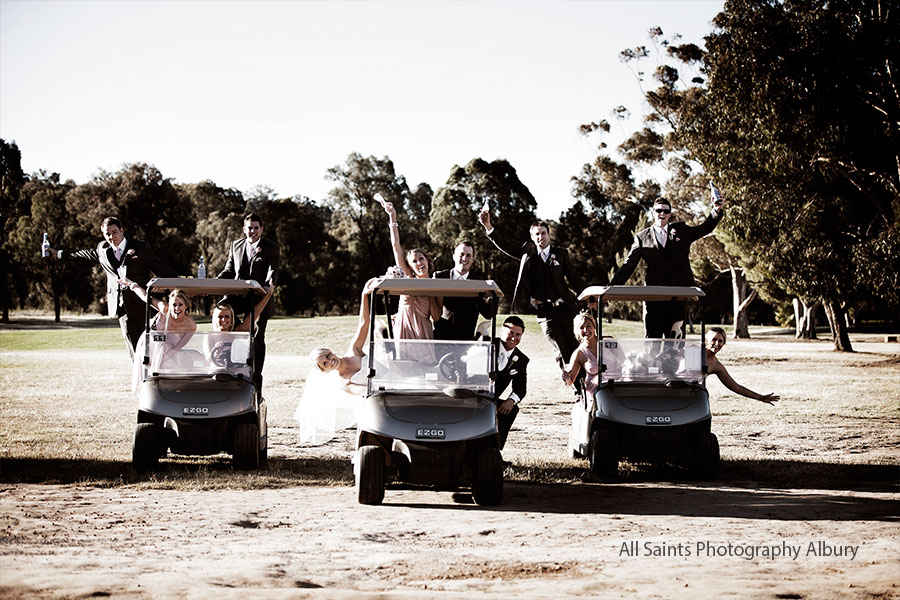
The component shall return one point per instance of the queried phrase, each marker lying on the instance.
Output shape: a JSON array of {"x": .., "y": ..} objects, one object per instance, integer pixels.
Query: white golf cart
[
  {"x": 429, "y": 417},
  {"x": 651, "y": 404},
  {"x": 196, "y": 391}
]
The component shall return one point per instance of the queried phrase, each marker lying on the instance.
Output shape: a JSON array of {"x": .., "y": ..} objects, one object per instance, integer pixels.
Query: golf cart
[
  {"x": 196, "y": 394},
  {"x": 428, "y": 417},
  {"x": 651, "y": 404}
]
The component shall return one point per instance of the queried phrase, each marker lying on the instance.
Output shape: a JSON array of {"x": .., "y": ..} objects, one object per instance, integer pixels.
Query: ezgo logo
[{"x": 430, "y": 433}]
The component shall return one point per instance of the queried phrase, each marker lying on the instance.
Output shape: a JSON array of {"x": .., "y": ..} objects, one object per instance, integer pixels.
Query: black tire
[
  {"x": 370, "y": 475},
  {"x": 147, "y": 446},
  {"x": 707, "y": 459},
  {"x": 246, "y": 446},
  {"x": 487, "y": 483},
  {"x": 603, "y": 453}
]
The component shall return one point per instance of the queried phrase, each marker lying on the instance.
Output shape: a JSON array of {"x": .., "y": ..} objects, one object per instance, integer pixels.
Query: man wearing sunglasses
[{"x": 665, "y": 248}]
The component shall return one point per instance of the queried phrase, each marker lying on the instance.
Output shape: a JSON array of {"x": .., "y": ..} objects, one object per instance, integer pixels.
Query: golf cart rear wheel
[
  {"x": 370, "y": 475},
  {"x": 147, "y": 446},
  {"x": 487, "y": 484},
  {"x": 246, "y": 446},
  {"x": 603, "y": 453},
  {"x": 707, "y": 459}
]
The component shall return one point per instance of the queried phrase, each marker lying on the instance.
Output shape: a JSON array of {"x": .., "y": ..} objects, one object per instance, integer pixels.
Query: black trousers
[
  {"x": 504, "y": 423},
  {"x": 660, "y": 318},
  {"x": 259, "y": 345},
  {"x": 557, "y": 327},
  {"x": 132, "y": 329}
]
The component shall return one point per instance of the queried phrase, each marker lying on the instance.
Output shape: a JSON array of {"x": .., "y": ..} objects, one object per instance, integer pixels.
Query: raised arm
[
  {"x": 394, "y": 227},
  {"x": 485, "y": 218},
  {"x": 630, "y": 264}
]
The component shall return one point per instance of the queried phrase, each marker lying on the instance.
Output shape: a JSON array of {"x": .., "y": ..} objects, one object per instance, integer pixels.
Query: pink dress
[
  {"x": 413, "y": 322},
  {"x": 591, "y": 369}
]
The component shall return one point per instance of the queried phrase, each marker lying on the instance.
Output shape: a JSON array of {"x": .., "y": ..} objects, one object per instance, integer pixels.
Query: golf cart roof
[
  {"x": 438, "y": 287},
  {"x": 200, "y": 287},
  {"x": 645, "y": 293}
]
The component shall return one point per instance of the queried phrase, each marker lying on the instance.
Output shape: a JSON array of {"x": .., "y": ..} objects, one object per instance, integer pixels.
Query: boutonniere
[
  {"x": 515, "y": 358},
  {"x": 129, "y": 252},
  {"x": 673, "y": 233}
]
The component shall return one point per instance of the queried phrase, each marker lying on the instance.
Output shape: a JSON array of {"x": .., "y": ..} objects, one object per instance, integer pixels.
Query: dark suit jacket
[
  {"x": 669, "y": 265},
  {"x": 529, "y": 282},
  {"x": 140, "y": 263},
  {"x": 460, "y": 315},
  {"x": 513, "y": 372},
  {"x": 263, "y": 268}
]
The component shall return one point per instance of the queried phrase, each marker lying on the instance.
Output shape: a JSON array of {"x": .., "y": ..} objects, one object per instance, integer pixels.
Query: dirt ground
[{"x": 654, "y": 534}]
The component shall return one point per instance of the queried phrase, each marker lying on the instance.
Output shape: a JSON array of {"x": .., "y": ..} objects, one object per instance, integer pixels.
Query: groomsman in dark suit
[
  {"x": 123, "y": 258},
  {"x": 545, "y": 281},
  {"x": 253, "y": 257},
  {"x": 511, "y": 365},
  {"x": 459, "y": 315},
  {"x": 665, "y": 249}
]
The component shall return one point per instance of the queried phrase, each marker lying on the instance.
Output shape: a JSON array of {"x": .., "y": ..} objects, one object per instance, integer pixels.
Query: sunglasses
[{"x": 663, "y": 211}]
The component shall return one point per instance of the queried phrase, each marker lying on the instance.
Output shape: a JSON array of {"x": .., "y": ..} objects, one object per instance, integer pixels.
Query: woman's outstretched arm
[
  {"x": 394, "y": 227},
  {"x": 718, "y": 369}
]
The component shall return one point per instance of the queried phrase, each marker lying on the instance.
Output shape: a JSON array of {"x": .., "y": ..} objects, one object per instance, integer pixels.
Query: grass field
[{"x": 67, "y": 415}]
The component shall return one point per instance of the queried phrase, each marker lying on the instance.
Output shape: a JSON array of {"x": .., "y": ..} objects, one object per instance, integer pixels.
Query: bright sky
[{"x": 275, "y": 93}]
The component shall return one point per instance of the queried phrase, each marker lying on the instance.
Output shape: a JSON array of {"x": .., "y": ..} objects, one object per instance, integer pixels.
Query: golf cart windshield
[
  {"x": 431, "y": 365},
  {"x": 202, "y": 354},
  {"x": 648, "y": 360},
  {"x": 651, "y": 360}
]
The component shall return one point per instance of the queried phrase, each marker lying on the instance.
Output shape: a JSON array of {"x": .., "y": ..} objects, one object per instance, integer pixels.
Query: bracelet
[{"x": 395, "y": 225}]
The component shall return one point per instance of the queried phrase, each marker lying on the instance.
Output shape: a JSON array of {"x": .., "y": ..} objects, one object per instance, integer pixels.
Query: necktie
[
  {"x": 118, "y": 253},
  {"x": 501, "y": 360},
  {"x": 661, "y": 235}
]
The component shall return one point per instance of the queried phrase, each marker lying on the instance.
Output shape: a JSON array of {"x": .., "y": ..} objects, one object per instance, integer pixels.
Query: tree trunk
[
  {"x": 57, "y": 307},
  {"x": 805, "y": 319},
  {"x": 741, "y": 301},
  {"x": 838, "y": 327}
]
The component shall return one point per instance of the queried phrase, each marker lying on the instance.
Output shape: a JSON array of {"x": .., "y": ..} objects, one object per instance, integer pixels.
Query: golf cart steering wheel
[
  {"x": 220, "y": 355},
  {"x": 451, "y": 367}
]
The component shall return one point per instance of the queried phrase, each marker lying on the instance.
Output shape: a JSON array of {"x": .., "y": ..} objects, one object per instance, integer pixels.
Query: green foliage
[
  {"x": 454, "y": 216},
  {"x": 801, "y": 120},
  {"x": 360, "y": 224}
]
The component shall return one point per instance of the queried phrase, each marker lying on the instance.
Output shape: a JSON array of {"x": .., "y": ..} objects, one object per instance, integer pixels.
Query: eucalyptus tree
[{"x": 454, "y": 215}]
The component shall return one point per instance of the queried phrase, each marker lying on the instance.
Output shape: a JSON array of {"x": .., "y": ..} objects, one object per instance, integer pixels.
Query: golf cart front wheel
[
  {"x": 603, "y": 453},
  {"x": 370, "y": 475},
  {"x": 487, "y": 485},
  {"x": 707, "y": 459},
  {"x": 246, "y": 446},
  {"x": 147, "y": 447}
]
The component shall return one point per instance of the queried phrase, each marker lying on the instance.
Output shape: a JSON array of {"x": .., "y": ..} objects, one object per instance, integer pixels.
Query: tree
[
  {"x": 217, "y": 213},
  {"x": 59, "y": 282},
  {"x": 801, "y": 117},
  {"x": 359, "y": 222},
  {"x": 149, "y": 207},
  {"x": 12, "y": 178},
  {"x": 454, "y": 215},
  {"x": 310, "y": 276}
]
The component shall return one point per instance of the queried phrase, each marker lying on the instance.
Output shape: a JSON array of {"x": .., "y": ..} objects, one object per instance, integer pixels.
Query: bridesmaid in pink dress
[
  {"x": 585, "y": 356},
  {"x": 416, "y": 313}
]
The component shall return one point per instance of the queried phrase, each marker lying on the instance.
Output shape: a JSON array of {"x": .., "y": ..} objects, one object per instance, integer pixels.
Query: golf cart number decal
[
  {"x": 430, "y": 434},
  {"x": 195, "y": 410},
  {"x": 159, "y": 337},
  {"x": 610, "y": 344},
  {"x": 659, "y": 420}
]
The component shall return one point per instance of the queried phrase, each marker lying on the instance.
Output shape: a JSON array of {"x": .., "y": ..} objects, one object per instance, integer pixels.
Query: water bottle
[
  {"x": 201, "y": 270},
  {"x": 45, "y": 246}
]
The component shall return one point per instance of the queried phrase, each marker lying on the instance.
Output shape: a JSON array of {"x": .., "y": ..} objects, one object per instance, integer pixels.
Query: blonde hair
[
  {"x": 179, "y": 293},
  {"x": 223, "y": 306},
  {"x": 318, "y": 353},
  {"x": 579, "y": 319}
]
